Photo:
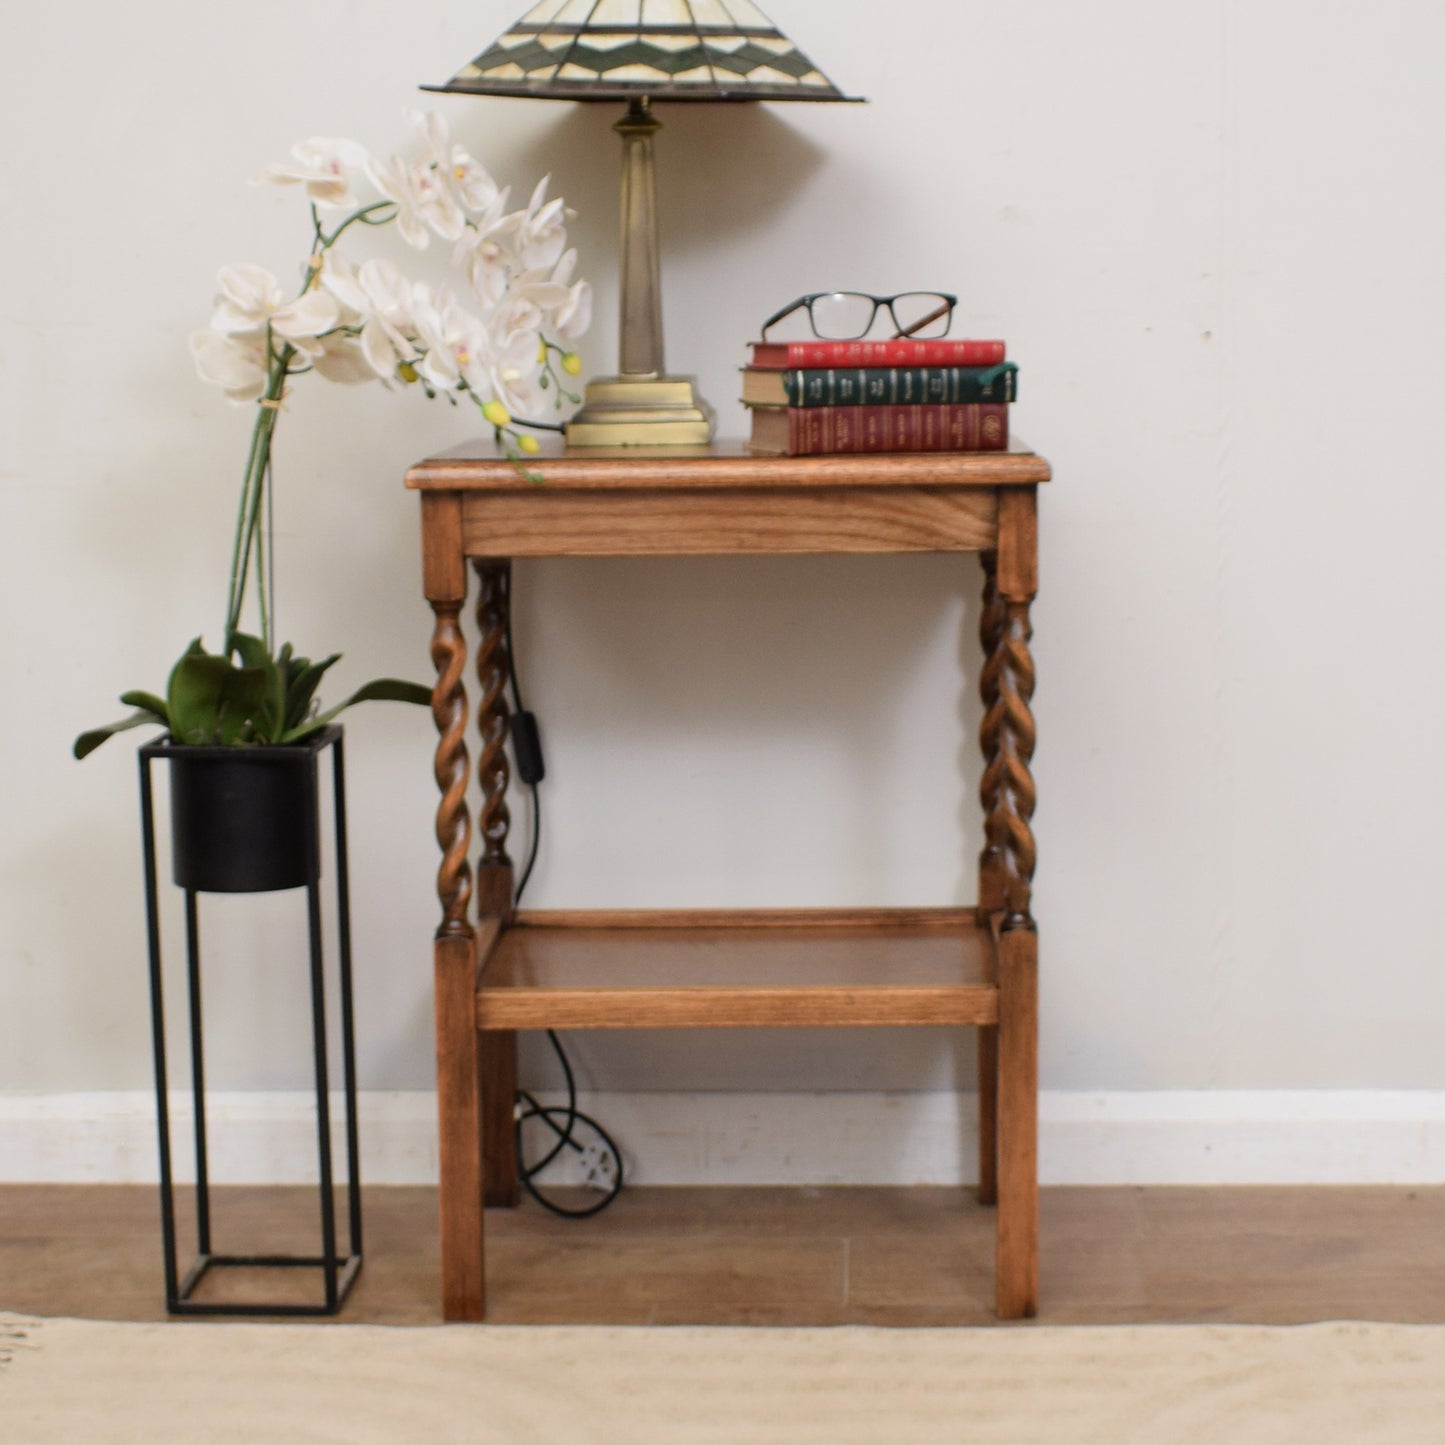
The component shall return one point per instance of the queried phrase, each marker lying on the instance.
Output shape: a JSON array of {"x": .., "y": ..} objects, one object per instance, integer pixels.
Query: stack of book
[{"x": 811, "y": 397}]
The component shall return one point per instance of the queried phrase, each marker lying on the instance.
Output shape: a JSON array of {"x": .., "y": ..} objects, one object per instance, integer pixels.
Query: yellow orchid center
[
  {"x": 496, "y": 413},
  {"x": 407, "y": 372}
]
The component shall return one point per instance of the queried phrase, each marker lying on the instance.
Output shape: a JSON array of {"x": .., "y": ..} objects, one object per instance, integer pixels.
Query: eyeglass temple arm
[
  {"x": 787, "y": 310},
  {"x": 920, "y": 323}
]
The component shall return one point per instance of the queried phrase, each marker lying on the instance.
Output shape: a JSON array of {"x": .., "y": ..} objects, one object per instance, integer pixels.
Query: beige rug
[{"x": 74, "y": 1382}]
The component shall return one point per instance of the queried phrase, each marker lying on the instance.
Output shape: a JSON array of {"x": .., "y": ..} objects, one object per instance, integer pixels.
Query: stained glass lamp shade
[
  {"x": 639, "y": 51},
  {"x": 667, "y": 49}
]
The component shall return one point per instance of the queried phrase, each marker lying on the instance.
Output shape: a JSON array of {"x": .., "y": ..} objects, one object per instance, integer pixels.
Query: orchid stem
[{"x": 253, "y": 492}]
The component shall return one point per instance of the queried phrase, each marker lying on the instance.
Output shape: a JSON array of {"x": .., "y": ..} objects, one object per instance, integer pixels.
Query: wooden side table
[{"x": 718, "y": 969}]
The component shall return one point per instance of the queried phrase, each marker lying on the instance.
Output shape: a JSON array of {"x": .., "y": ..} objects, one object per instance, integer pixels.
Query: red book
[
  {"x": 808, "y": 431},
  {"x": 900, "y": 351}
]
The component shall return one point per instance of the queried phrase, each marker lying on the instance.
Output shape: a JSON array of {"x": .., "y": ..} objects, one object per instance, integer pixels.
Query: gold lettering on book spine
[{"x": 453, "y": 826}]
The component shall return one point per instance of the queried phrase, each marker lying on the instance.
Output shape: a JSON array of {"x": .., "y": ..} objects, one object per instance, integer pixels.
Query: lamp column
[
  {"x": 640, "y": 338},
  {"x": 641, "y": 406}
]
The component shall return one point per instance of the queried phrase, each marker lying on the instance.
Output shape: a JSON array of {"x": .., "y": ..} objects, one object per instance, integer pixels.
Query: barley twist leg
[
  {"x": 453, "y": 825},
  {"x": 498, "y": 1066},
  {"x": 1008, "y": 786}
]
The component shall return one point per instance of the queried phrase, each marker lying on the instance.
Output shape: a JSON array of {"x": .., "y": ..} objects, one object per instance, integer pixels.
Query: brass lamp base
[{"x": 642, "y": 411}]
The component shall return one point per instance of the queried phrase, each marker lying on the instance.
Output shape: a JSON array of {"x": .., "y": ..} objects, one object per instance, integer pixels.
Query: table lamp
[{"x": 639, "y": 51}]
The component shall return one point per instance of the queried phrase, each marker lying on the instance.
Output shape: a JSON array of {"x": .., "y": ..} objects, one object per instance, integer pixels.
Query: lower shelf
[{"x": 787, "y": 968}]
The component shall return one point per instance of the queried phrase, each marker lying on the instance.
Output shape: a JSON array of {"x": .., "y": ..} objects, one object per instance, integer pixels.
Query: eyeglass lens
[
  {"x": 842, "y": 315},
  {"x": 921, "y": 313},
  {"x": 848, "y": 315}
]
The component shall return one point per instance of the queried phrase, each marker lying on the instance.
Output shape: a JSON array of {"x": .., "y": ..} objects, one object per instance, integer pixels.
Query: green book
[{"x": 881, "y": 385}]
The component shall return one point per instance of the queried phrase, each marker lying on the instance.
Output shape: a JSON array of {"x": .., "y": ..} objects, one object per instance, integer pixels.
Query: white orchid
[
  {"x": 377, "y": 305},
  {"x": 325, "y": 167},
  {"x": 424, "y": 203},
  {"x": 542, "y": 230},
  {"x": 237, "y": 364},
  {"x": 514, "y": 374},
  {"x": 572, "y": 316},
  {"x": 339, "y": 277},
  {"x": 434, "y": 131},
  {"x": 473, "y": 183},
  {"x": 483, "y": 251},
  {"x": 353, "y": 323},
  {"x": 251, "y": 300},
  {"x": 456, "y": 346},
  {"x": 474, "y": 187},
  {"x": 343, "y": 359},
  {"x": 524, "y": 311}
]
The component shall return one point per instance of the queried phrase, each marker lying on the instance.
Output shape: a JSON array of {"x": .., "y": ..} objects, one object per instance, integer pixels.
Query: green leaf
[
  {"x": 270, "y": 720},
  {"x": 210, "y": 700},
  {"x": 302, "y": 688},
  {"x": 384, "y": 689},
  {"x": 87, "y": 743},
  {"x": 150, "y": 702}
]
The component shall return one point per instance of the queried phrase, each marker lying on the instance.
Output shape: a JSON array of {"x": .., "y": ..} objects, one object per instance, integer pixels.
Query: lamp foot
[{"x": 641, "y": 411}]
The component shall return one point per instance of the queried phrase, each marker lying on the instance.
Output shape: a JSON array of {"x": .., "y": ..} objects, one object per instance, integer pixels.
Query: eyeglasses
[{"x": 849, "y": 315}]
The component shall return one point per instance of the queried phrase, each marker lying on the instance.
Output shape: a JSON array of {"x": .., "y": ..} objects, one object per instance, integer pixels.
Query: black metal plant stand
[{"x": 247, "y": 820}]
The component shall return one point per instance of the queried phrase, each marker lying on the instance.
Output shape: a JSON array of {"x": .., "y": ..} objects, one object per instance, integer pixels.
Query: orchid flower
[
  {"x": 542, "y": 231},
  {"x": 237, "y": 364},
  {"x": 324, "y": 167},
  {"x": 481, "y": 252},
  {"x": 571, "y": 317},
  {"x": 513, "y": 374},
  {"x": 530, "y": 299},
  {"x": 474, "y": 187},
  {"x": 387, "y": 337},
  {"x": 354, "y": 323},
  {"x": 343, "y": 359},
  {"x": 455, "y": 343},
  {"x": 251, "y": 300},
  {"x": 424, "y": 204}
]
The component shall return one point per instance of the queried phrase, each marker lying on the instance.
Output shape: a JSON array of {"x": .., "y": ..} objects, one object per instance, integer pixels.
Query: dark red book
[
  {"x": 808, "y": 431},
  {"x": 900, "y": 351}
]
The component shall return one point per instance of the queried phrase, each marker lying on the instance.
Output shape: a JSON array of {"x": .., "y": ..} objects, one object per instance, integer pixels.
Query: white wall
[{"x": 1212, "y": 234}]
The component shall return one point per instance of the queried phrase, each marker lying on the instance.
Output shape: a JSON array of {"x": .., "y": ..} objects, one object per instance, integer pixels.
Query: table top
[{"x": 482, "y": 466}]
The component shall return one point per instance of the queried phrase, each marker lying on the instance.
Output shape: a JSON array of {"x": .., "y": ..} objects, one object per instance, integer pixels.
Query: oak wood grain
[
  {"x": 728, "y": 977},
  {"x": 702, "y": 968},
  {"x": 443, "y": 565},
  {"x": 1209, "y": 1254},
  {"x": 915, "y": 920},
  {"x": 478, "y": 466},
  {"x": 459, "y": 1112},
  {"x": 553, "y": 522},
  {"x": 1016, "y": 1279}
]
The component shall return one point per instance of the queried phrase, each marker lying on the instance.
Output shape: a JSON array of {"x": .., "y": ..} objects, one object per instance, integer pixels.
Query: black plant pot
[{"x": 245, "y": 820}]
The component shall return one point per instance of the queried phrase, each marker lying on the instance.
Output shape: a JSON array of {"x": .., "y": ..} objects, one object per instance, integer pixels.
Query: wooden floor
[{"x": 783, "y": 1256}]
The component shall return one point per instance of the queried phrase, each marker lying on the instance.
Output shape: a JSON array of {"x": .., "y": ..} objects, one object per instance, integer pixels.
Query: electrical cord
[{"x": 602, "y": 1159}]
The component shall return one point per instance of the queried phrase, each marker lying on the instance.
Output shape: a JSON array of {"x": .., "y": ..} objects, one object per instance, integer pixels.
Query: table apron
[{"x": 549, "y": 521}]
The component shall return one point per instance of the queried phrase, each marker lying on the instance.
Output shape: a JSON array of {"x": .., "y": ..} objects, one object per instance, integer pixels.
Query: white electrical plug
[{"x": 599, "y": 1169}]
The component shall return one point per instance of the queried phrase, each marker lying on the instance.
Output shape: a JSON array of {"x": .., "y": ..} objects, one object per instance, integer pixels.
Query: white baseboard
[{"x": 1226, "y": 1137}]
